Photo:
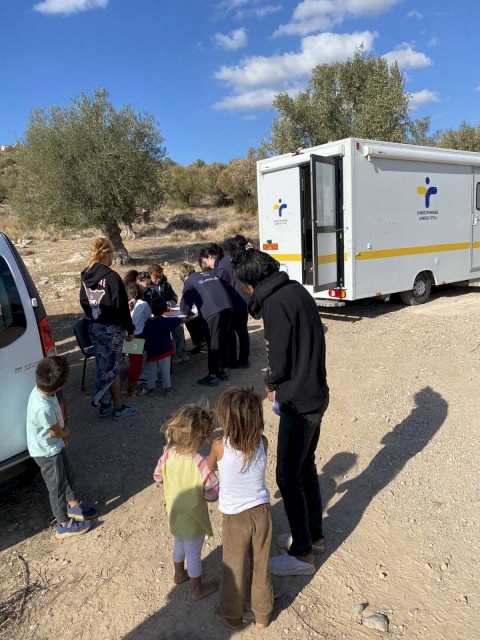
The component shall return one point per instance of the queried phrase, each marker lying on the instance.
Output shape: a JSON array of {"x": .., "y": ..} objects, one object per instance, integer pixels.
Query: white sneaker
[
  {"x": 286, "y": 565},
  {"x": 176, "y": 360},
  {"x": 184, "y": 357},
  {"x": 284, "y": 541}
]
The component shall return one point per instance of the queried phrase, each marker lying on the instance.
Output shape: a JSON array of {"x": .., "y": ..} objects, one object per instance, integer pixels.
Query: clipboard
[{"x": 134, "y": 346}]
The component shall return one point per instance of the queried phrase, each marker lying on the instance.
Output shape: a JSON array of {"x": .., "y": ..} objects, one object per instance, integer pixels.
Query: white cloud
[
  {"x": 258, "y": 12},
  {"x": 66, "y": 7},
  {"x": 432, "y": 42},
  {"x": 422, "y": 98},
  {"x": 258, "y": 99},
  {"x": 317, "y": 15},
  {"x": 415, "y": 14},
  {"x": 278, "y": 71},
  {"x": 250, "y": 117},
  {"x": 236, "y": 39},
  {"x": 407, "y": 57}
]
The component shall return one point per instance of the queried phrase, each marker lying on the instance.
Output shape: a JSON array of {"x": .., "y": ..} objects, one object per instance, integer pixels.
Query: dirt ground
[{"x": 398, "y": 465}]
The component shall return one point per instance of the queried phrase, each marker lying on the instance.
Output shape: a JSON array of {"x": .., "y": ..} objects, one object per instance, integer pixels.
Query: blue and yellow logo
[
  {"x": 423, "y": 191},
  {"x": 279, "y": 207}
]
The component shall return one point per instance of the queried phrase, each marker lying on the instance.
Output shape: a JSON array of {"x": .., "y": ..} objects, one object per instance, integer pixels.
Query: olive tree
[
  {"x": 88, "y": 165},
  {"x": 363, "y": 97}
]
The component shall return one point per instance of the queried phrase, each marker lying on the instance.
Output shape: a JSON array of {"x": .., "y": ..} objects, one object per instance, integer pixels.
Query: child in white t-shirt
[
  {"x": 140, "y": 312},
  {"x": 244, "y": 500}
]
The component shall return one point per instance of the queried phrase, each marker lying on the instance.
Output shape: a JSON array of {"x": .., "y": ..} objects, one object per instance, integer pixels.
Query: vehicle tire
[{"x": 420, "y": 293}]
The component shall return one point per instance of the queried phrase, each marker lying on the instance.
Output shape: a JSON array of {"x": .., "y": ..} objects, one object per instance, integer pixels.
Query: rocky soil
[{"x": 398, "y": 464}]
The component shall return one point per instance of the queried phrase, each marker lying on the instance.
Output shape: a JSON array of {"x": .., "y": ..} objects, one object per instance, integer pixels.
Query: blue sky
[{"x": 208, "y": 70}]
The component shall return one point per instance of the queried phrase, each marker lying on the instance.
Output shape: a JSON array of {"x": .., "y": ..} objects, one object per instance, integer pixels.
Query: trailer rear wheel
[{"x": 420, "y": 293}]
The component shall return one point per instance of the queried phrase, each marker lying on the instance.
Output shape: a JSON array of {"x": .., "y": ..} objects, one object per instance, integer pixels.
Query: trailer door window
[
  {"x": 13, "y": 321},
  {"x": 477, "y": 197},
  {"x": 325, "y": 196}
]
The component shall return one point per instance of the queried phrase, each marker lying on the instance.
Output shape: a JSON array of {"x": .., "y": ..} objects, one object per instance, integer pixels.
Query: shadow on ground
[{"x": 400, "y": 445}]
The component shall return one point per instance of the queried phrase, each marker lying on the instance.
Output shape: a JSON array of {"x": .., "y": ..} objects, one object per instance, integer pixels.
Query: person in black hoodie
[
  {"x": 212, "y": 257},
  {"x": 296, "y": 383},
  {"x": 104, "y": 301}
]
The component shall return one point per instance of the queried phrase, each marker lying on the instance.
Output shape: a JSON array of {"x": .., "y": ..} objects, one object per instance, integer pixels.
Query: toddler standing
[
  {"x": 47, "y": 436},
  {"x": 244, "y": 500},
  {"x": 159, "y": 346},
  {"x": 188, "y": 486},
  {"x": 140, "y": 312}
]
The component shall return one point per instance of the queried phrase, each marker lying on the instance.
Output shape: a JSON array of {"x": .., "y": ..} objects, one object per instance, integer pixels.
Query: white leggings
[
  {"x": 161, "y": 367},
  {"x": 191, "y": 551}
]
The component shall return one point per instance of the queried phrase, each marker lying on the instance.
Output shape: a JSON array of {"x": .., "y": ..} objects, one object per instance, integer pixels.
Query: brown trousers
[{"x": 247, "y": 534}]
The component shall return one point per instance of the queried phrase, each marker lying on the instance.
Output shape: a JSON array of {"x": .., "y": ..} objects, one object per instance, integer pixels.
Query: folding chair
[{"x": 80, "y": 329}]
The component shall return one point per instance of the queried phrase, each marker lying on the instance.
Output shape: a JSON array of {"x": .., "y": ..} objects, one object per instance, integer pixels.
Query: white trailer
[{"x": 357, "y": 218}]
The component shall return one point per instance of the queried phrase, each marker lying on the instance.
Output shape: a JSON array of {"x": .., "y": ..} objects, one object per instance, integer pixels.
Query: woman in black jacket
[
  {"x": 296, "y": 382},
  {"x": 104, "y": 301}
]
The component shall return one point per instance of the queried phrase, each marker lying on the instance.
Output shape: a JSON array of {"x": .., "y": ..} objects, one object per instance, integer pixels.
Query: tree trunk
[
  {"x": 120, "y": 253},
  {"x": 128, "y": 231}
]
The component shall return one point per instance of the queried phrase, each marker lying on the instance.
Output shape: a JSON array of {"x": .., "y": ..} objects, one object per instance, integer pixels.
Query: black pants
[
  {"x": 218, "y": 326},
  {"x": 197, "y": 328},
  {"x": 297, "y": 478},
  {"x": 239, "y": 329},
  {"x": 59, "y": 477}
]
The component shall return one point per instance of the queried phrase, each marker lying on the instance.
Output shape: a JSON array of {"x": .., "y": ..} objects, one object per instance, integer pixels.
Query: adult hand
[
  {"x": 130, "y": 337},
  {"x": 270, "y": 395}
]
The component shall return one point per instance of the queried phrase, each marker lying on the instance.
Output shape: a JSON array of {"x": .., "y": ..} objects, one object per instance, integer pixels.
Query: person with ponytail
[
  {"x": 104, "y": 301},
  {"x": 296, "y": 382}
]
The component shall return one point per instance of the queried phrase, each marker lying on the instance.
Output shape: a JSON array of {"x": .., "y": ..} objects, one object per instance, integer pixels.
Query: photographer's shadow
[
  {"x": 404, "y": 442},
  {"x": 401, "y": 444}
]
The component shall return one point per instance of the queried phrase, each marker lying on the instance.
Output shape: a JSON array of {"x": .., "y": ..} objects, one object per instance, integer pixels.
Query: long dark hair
[
  {"x": 251, "y": 266},
  {"x": 240, "y": 415}
]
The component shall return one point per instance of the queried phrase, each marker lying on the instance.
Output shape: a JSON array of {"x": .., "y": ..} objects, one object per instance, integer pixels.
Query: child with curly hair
[{"x": 189, "y": 485}]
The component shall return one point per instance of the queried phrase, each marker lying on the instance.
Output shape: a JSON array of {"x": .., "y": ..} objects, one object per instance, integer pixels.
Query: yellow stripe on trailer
[{"x": 410, "y": 251}]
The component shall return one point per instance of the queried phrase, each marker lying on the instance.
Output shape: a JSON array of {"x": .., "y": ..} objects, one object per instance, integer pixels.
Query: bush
[{"x": 186, "y": 222}]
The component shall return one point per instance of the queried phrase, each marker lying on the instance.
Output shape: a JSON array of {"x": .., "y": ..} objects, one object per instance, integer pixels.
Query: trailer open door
[
  {"x": 326, "y": 224},
  {"x": 475, "y": 247}
]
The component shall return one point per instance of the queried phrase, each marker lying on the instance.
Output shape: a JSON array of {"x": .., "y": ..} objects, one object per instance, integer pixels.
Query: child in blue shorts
[{"x": 47, "y": 437}]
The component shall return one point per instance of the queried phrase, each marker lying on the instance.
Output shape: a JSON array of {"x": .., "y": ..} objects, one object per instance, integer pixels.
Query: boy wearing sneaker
[{"x": 47, "y": 437}]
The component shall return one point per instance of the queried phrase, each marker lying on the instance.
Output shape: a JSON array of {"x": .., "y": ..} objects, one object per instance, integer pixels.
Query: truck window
[
  {"x": 13, "y": 322},
  {"x": 477, "y": 197}
]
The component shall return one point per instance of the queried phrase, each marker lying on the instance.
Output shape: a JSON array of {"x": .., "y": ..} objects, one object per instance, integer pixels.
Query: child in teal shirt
[{"x": 47, "y": 436}]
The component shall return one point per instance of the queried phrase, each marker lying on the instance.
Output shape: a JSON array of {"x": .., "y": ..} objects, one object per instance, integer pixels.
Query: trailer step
[{"x": 329, "y": 303}]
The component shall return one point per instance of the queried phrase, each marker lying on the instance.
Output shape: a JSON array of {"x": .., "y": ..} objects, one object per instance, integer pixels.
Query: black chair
[{"x": 80, "y": 329}]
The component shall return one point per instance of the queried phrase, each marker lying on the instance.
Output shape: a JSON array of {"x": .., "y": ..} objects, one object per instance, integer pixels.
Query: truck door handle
[{"x": 474, "y": 219}]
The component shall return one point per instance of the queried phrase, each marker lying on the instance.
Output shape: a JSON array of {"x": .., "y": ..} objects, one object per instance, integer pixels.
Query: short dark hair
[
  {"x": 251, "y": 266},
  {"x": 211, "y": 249},
  {"x": 51, "y": 373},
  {"x": 158, "y": 306}
]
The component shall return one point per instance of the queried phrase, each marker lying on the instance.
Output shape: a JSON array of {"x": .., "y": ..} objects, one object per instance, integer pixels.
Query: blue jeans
[{"x": 297, "y": 477}]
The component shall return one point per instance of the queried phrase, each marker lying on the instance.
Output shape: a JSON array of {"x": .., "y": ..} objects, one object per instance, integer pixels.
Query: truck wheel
[{"x": 420, "y": 293}]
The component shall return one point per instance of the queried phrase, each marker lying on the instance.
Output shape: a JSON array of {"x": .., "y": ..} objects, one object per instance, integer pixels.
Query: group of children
[
  {"x": 233, "y": 472},
  {"x": 213, "y": 307}
]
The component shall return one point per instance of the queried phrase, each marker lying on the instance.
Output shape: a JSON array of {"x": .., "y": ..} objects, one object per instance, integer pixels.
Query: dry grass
[{"x": 181, "y": 227}]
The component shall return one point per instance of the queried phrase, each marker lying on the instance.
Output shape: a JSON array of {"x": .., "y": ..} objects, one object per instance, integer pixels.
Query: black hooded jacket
[
  {"x": 103, "y": 297},
  {"x": 295, "y": 343}
]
